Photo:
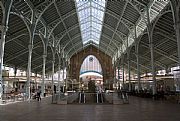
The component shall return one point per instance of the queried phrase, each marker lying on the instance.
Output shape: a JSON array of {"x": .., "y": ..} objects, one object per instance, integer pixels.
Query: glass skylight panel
[{"x": 90, "y": 15}]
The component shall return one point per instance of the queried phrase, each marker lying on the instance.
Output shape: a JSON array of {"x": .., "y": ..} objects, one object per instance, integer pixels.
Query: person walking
[{"x": 39, "y": 95}]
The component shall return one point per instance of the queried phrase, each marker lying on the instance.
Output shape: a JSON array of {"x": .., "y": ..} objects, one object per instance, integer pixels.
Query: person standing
[{"x": 39, "y": 95}]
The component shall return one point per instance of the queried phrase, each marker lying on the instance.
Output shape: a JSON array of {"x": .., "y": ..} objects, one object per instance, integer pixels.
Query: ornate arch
[{"x": 105, "y": 61}]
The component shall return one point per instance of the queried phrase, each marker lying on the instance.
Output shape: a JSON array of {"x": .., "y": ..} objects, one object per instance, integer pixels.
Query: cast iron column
[
  {"x": 52, "y": 81},
  {"x": 30, "y": 47},
  {"x": 151, "y": 45},
  {"x": 43, "y": 74},
  {"x": 177, "y": 28},
  {"x": 5, "y": 22},
  {"x": 118, "y": 76},
  {"x": 59, "y": 74},
  {"x": 138, "y": 68},
  {"x": 123, "y": 74},
  {"x": 129, "y": 76}
]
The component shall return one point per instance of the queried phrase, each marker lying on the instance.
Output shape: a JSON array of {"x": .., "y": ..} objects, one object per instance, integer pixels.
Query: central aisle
[{"x": 139, "y": 109}]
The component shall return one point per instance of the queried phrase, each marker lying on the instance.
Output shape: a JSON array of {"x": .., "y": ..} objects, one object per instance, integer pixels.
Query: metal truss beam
[
  {"x": 36, "y": 58},
  {"x": 41, "y": 65},
  {"x": 161, "y": 52},
  {"x": 22, "y": 52},
  {"x": 50, "y": 67},
  {"x": 166, "y": 39},
  {"x": 77, "y": 25},
  {"x": 56, "y": 22},
  {"x": 79, "y": 49},
  {"x": 87, "y": 45},
  {"x": 63, "y": 33},
  {"x": 117, "y": 24},
  {"x": 170, "y": 37},
  {"x": 156, "y": 62},
  {"x": 141, "y": 65},
  {"x": 133, "y": 67},
  {"x": 63, "y": 23},
  {"x": 104, "y": 35},
  {"x": 78, "y": 35},
  {"x": 9, "y": 40}
]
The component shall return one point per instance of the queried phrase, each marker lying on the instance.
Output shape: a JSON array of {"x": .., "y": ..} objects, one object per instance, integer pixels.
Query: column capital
[
  {"x": 151, "y": 44},
  {"x": 53, "y": 61},
  {"x": 176, "y": 24},
  {"x": 4, "y": 27},
  {"x": 30, "y": 45},
  {"x": 44, "y": 55}
]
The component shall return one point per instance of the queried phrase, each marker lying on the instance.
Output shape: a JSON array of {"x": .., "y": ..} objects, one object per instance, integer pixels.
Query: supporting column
[
  {"x": 177, "y": 28},
  {"x": 17, "y": 82},
  {"x": 114, "y": 83},
  {"x": 153, "y": 68},
  {"x": 30, "y": 47},
  {"x": 66, "y": 76},
  {"x": 63, "y": 80},
  {"x": 28, "y": 91},
  {"x": 137, "y": 57},
  {"x": 64, "y": 88},
  {"x": 52, "y": 81},
  {"x": 118, "y": 74},
  {"x": 59, "y": 83},
  {"x": 129, "y": 70},
  {"x": 175, "y": 6},
  {"x": 178, "y": 40},
  {"x": 151, "y": 45},
  {"x": 8, "y": 5},
  {"x": 59, "y": 75},
  {"x": 129, "y": 76},
  {"x": 123, "y": 74},
  {"x": 43, "y": 75},
  {"x": 138, "y": 68},
  {"x": 119, "y": 77}
]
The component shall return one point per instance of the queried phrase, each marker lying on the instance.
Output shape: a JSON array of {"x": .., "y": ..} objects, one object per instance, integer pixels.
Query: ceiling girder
[
  {"x": 156, "y": 62},
  {"x": 161, "y": 52},
  {"x": 36, "y": 58},
  {"x": 22, "y": 52},
  {"x": 63, "y": 23},
  {"x": 140, "y": 65},
  {"x": 9, "y": 40},
  {"x": 117, "y": 25}
]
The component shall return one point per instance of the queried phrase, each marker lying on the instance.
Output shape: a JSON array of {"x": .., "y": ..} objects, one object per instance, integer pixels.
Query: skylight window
[{"x": 90, "y": 13}]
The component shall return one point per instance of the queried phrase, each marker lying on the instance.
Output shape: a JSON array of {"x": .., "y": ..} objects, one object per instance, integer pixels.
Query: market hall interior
[{"x": 107, "y": 59}]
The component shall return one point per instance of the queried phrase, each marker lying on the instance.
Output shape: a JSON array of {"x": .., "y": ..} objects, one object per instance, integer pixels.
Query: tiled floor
[{"x": 139, "y": 109}]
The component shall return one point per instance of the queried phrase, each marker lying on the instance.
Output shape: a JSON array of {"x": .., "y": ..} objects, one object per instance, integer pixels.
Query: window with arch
[{"x": 91, "y": 64}]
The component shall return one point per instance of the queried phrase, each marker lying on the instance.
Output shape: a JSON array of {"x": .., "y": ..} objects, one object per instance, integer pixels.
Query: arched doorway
[
  {"x": 104, "y": 60},
  {"x": 91, "y": 73}
]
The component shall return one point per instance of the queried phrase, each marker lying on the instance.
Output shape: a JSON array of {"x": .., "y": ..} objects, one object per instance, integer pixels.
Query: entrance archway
[
  {"x": 105, "y": 61},
  {"x": 91, "y": 73}
]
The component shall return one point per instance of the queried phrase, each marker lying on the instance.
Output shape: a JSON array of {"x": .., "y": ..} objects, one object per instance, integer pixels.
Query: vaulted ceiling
[{"x": 62, "y": 22}]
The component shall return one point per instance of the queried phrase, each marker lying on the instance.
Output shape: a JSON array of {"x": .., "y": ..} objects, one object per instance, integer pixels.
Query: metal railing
[
  {"x": 82, "y": 98},
  {"x": 64, "y": 98},
  {"x": 90, "y": 97}
]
